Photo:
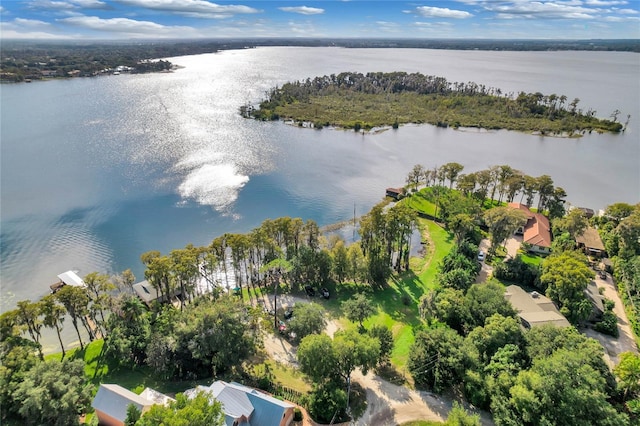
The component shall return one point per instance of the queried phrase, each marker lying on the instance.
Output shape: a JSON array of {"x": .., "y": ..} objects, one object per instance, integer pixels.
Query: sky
[{"x": 191, "y": 19}]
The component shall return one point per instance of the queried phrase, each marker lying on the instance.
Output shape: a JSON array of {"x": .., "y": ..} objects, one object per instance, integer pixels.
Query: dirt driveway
[
  {"x": 625, "y": 343},
  {"x": 387, "y": 404},
  {"x": 390, "y": 405}
]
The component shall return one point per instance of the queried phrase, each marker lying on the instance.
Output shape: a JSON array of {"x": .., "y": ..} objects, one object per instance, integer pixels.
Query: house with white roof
[
  {"x": 70, "y": 278},
  {"x": 245, "y": 406},
  {"x": 112, "y": 401}
]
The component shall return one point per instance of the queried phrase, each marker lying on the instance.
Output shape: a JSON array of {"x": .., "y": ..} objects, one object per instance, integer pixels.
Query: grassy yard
[
  {"x": 99, "y": 369},
  {"x": 286, "y": 375},
  {"x": 419, "y": 202},
  {"x": 531, "y": 259},
  {"x": 397, "y": 302}
]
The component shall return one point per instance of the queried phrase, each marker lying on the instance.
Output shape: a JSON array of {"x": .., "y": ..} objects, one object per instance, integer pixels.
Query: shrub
[
  {"x": 608, "y": 325},
  {"x": 297, "y": 415}
]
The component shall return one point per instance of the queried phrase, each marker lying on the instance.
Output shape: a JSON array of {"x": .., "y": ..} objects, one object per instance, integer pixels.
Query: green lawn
[
  {"x": 287, "y": 376},
  {"x": 531, "y": 259},
  {"x": 397, "y": 303},
  {"x": 419, "y": 202},
  {"x": 101, "y": 370}
]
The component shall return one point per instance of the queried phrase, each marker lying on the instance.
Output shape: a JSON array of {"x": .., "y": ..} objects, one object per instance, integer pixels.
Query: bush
[
  {"x": 515, "y": 270},
  {"x": 608, "y": 325},
  {"x": 297, "y": 415}
]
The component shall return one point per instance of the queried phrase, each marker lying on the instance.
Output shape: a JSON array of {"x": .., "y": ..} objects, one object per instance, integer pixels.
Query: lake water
[{"x": 95, "y": 172}]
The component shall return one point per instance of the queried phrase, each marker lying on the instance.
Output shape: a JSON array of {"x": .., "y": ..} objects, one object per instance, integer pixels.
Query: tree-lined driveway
[
  {"x": 485, "y": 269},
  {"x": 625, "y": 343}
]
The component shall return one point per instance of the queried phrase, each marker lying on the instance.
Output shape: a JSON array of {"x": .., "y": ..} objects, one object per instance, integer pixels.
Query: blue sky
[{"x": 171, "y": 19}]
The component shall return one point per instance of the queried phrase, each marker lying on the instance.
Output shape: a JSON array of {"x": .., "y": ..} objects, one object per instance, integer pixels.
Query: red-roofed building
[{"x": 537, "y": 231}]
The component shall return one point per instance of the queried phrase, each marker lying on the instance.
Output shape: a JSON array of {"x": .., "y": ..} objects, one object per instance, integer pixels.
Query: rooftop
[
  {"x": 241, "y": 401},
  {"x": 590, "y": 238},
  {"x": 534, "y": 308}
]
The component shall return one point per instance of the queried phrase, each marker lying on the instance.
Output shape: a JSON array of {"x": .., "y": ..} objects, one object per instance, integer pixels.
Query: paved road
[{"x": 614, "y": 347}]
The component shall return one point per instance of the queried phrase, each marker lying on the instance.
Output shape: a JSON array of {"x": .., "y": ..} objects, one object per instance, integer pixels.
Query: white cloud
[
  {"x": 190, "y": 6},
  {"x": 627, "y": 11},
  {"x": 90, "y": 4},
  {"x": 51, "y": 4},
  {"x": 129, "y": 27},
  {"x": 442, "y": 12},
  {"x": 30, "y": 23},
  {"x": 433, "y": 24},
  {"x": 540, "y": 10},
  {"x": 24, "y": 29},
  {"x": 303, "y": 10},
  {"x": 388, "y": 27},
  {"x": 605, "y": 2}
]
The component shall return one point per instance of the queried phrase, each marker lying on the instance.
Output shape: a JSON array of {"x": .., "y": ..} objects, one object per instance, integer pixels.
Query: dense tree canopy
[
  {"x": 560, "y": 390},
  {"x": 308, "y": 318},
  {"x": 54, "y": 393},
  {"x": 356, "y": 100},
  {"x": 438, "y": 358},
  {"x": 565, "y": 276},
  {"x": 201, "y": 410}
]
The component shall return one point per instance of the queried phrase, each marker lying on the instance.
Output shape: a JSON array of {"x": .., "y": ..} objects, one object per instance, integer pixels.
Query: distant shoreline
[{"x": 27, "y": 61}]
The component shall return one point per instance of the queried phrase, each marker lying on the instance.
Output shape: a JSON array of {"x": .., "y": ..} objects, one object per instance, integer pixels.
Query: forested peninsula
[{"x": 365, "y": 101}]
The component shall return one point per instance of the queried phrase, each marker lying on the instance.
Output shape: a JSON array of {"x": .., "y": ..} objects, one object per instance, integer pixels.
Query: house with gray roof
[
  {"x": 112, "y": 401},
  {"x": 591, "y": 243},
  {"x": 245, "y": 406},
  {"x": 149, "y": 294},
  {"x": 534, "y": 309}
]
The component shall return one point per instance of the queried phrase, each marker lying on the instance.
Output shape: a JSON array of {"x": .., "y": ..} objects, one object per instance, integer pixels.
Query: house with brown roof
[
  {"x": 536, "y": 233},
  {"x": 394, "y": 193},
  {"x": 534, "y": 309},
  {"x": 591, "y": 243}
]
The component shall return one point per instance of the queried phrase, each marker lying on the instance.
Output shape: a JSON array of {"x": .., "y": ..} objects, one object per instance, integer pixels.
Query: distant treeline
[{"x": 20, "y": 60}]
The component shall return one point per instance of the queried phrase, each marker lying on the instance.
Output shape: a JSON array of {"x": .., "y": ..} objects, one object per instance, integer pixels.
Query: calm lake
[{"x": 96, "y": 171}]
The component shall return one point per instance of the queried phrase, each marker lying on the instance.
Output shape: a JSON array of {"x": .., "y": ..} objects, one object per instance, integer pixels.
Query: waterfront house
[
  {"x": 49, "y": 73},
  {"x": 243, "y": 405},
  {"x": 536, "y": 233},
  {"x": 394, "y": 193},
  {"x": 149, "y": 294},
  {"x": 112, "y": 401}
]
